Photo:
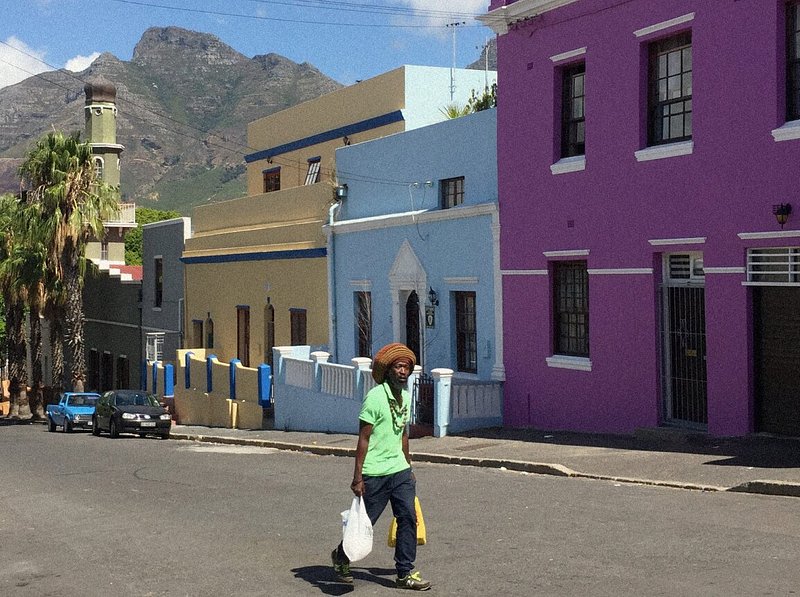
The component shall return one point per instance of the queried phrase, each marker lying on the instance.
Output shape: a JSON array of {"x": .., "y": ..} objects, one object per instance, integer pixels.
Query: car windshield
[
  {"x": 136, "y": 399},
  {"x": 83, "y": 400}
]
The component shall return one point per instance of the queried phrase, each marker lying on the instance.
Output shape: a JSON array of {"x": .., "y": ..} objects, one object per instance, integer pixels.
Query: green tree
[
  {"x": 72, "y": 204},
  {"x": 488, "y": 99},
  {"x": 476, "y": 103},
  {"x": 10, "y": 257},
  {"x": 133, "y": 240}
]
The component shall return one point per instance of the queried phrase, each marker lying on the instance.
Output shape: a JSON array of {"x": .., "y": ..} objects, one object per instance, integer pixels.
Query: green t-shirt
[{"x": 385, "y": 453}]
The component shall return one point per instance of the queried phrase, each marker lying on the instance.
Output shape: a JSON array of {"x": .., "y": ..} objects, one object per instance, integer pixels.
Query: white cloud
[
  {"x": 459, "y": 8},
  {"x": 18, "y": 61},
  {"x": 80, "y": 63}
]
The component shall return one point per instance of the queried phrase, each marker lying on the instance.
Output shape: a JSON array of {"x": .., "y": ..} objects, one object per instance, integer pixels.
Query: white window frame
[{"x": 154, "y": 346}]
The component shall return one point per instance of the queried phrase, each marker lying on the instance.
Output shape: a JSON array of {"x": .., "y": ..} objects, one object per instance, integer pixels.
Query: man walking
[{"x": 383, "y": 464}]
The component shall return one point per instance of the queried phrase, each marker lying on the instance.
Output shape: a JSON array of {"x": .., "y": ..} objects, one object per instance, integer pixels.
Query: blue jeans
[{"x": 400, "y": 490}]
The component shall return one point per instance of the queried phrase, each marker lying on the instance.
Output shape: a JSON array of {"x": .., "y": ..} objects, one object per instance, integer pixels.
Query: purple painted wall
[{"x": 727, "y": 186}]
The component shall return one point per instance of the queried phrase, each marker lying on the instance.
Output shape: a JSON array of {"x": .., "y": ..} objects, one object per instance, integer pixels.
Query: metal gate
[
  {"x": 422, "y": 409},
  {"x": 683, "y": 367},
  {"x": 683, "y": 341}
]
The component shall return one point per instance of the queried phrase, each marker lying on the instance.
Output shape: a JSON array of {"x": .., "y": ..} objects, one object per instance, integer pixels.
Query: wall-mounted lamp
[
  {"x": 341, "y": 192},
  {"x": 346, "y": 140},
  {"x": 781, "y": 212},
  {"x": 269, "y": 160},
  {"x": 433, "y": 298}
]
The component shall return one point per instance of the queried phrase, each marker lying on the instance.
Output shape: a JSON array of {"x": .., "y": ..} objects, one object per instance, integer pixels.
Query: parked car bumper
[
  {"x": 80, "y": 422},
  {"x": 158, "y": 426}
]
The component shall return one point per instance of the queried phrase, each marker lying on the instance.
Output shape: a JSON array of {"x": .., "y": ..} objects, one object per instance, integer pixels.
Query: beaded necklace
[{"x": 398, "y": 412}]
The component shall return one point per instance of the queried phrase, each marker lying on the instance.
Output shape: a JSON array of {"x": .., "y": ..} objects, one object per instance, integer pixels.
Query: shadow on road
[
  {"x": 324, "y": 579},
  {"x": 760, "y": 451}
]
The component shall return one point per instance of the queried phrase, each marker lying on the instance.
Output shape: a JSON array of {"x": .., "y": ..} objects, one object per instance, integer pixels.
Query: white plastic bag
[{"x": 357, "y": 533}]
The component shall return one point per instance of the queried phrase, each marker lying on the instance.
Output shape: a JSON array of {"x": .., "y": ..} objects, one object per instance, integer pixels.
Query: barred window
[{"x": 571, "y": 308}]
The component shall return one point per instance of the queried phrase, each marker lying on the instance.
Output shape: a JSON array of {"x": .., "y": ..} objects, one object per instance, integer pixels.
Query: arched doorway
[{"x": 412, "y": 324}]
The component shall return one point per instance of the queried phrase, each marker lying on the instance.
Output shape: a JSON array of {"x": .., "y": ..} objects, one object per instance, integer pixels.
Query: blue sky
[{"x": 346, "y": 39}]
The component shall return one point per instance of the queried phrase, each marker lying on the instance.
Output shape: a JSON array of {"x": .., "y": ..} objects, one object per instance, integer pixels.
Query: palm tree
[
  {"x": 10, "y": 257},
  {"x": 32, "y": 276},
  {"x": 451, "y": 111},
  {"x": 72, "y": 203}
]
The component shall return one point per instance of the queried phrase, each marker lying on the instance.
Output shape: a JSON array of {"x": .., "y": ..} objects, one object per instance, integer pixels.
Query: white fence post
[
  {"x": 318, "y": 357},
  {"x": 360, "y": 364},
  {"x": 442, "y": 382}
]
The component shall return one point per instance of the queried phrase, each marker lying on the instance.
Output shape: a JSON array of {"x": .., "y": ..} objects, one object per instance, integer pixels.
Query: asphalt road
[{"x": 89, "y": 516}]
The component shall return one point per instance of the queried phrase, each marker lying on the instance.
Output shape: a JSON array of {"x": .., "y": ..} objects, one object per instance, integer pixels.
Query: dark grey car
[{"x": 131, "y": 411}]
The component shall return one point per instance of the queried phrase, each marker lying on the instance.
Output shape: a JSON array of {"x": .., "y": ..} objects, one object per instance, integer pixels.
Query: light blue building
[{"x": 413, "y": 248}]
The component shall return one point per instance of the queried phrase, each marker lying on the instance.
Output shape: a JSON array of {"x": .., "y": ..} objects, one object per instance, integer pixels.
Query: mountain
[
  {"x": 183, "y": 100},
  {"x": 488, "y": 57}
]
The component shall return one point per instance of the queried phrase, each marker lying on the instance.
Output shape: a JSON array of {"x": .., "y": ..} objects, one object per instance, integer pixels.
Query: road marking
[{"x": 221, "y": 449}]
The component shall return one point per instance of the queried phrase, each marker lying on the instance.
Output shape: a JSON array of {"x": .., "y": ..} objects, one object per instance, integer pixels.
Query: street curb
[
  {"x": 776, "y": 488},
  {"x": 781, "y": 488}
]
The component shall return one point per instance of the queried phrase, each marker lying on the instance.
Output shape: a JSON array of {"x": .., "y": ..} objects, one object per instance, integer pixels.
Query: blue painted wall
[{"x": 386, "y": 185}]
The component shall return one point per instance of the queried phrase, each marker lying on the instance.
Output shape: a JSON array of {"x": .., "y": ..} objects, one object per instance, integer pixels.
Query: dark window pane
[
  {"x": 793, "y": 62},
  {"x": 452, "y": 192},
  {"x": 466, "y": 332},
  {"x": 572, "y": 308},
  {"x": 573, "y": 110},
  {"x": 671, "y": 89}
]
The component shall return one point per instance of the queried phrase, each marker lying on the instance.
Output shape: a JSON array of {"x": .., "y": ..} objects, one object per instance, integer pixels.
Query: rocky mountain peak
[{"x": 158, "y": 42}]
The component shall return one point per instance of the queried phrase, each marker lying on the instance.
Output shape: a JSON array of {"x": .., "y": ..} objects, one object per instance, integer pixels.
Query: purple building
[{"x": 648, "y": 165}]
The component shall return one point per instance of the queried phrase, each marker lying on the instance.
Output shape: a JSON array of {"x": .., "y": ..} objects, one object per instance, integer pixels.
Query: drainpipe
[{"x": 332, "y": 340}]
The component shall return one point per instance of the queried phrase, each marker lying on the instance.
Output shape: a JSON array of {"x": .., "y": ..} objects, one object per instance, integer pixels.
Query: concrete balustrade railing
[{"x": 305, "y": 391}]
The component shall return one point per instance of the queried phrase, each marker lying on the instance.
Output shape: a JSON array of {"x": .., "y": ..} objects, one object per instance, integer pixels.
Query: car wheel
[
  {"x": 113, "y": 430},
  {"x": 165, "y": 435},
  {"x": 95, "y": 428},
  {"x": 51, "y": 426},
  {"x": 67, "y": 428},
  {"x": 142, "y": 435}
]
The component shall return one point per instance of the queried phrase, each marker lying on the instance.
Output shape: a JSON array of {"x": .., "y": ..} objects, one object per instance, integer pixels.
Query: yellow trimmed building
[{"x": 256, "y": 268}]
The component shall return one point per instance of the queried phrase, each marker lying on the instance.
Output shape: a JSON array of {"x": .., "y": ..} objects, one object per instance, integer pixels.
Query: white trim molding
[
  {"x": 422, "y": 216},
  {"x": 787, "y": 132},
  {"x": 664, "y": 25},
  {"x": 572, "y": 164},
  {"x": 766, "y": 235},
  {"x": 621, "y": 271},
  {"x": 500, "y": 19},
  {"x": 567, "y": 253},
  {"x": 669, "y": 150},
  {"x": 724, "y": 270},
  {"x": 524, "y": 272},
  {"x": 471, "y": 280},
  {"x": 787, "y": 284},
  {"x": 363, "y": 285},
  {"x": 567, "y": 55},
  {"x": 692, "y": 240},
  {"x": 560, "y": 361}
]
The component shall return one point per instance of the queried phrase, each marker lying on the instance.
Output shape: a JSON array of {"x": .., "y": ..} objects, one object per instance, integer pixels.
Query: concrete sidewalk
[{"x": 671, "y": 458}]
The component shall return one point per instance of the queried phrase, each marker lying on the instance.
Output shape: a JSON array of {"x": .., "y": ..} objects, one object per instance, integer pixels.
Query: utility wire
[
  {"x": 279, "y": 19},
  {"x": 234, "y": 146},
  {"x": 371, "y": 8}
]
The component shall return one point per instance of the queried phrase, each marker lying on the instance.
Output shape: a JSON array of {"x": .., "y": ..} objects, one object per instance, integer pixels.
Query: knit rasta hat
[{"x": 387, "y": 355}]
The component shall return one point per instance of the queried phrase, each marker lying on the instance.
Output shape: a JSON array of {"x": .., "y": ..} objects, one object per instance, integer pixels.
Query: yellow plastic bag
[{"x": 422, "y": 534}]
